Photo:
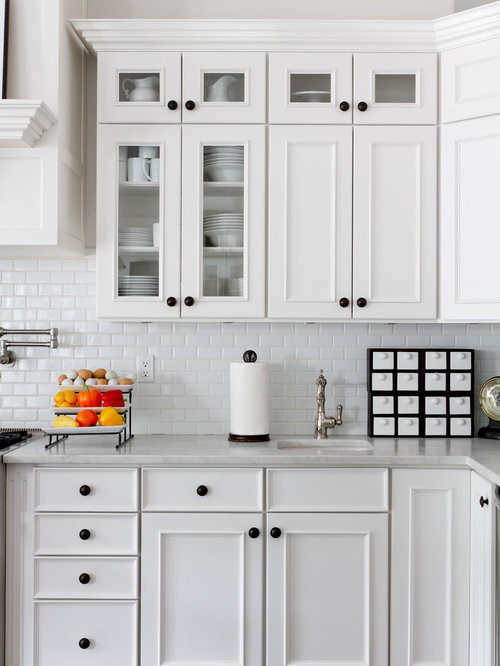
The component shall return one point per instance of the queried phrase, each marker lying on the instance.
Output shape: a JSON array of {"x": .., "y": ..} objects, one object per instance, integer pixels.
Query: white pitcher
[
  {"x": 141, "y": 90},
  {"x": 218, "y": 91}
]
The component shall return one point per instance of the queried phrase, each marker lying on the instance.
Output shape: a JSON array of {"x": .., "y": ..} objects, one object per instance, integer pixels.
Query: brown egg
[
  {"x": 102, "y": 381},
  {"x": 125, "y": 380},
  {"x": 100, "y": 373},
  {"x": 85, "y": 374},
  {"x": 61, "y": 378}
]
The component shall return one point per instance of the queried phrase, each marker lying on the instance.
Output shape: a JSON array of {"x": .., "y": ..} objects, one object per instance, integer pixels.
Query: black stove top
[{"x": 13, "y": 437}]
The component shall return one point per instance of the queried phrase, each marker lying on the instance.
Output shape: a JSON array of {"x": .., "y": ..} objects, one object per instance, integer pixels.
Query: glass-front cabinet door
[
  {"x": 395, "y": 89},
  {"x": 138, "y": 222},
  {"x": 310, "y": 88},
  {"x": 139, "y": 87},
  {"x": 223, "y": 221},
  {"x": 224, "y": 87}
]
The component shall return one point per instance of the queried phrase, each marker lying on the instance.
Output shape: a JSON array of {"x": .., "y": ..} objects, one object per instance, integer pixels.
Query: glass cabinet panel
[
  {"x": 139, "y": 267},
  {"x": 223, "y": 220},
  {"x": 224, "y": 87},
  {"x": 138, "y": 87},
  {"x": 395, "y": 88},
  {"x": 310, "y": 88}
]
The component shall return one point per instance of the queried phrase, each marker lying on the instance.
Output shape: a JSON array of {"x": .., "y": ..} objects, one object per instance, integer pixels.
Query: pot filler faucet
[{"x": 322, "y": 422}]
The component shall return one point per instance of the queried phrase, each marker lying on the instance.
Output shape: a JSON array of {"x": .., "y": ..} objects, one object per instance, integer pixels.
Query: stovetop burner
[{"x": 13, "y": 437}]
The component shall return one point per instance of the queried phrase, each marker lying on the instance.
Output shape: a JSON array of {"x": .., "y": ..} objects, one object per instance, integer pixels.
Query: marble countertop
[{"x": 480, "y": 455}]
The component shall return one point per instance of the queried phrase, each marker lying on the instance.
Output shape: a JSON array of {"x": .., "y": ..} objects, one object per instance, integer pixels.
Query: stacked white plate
[
  {"x": 223, "y": 229},
  {"x": 311, "y": 96},
  {"x": 135, "y": 237},
  {"x": 137, "y": 285},
  {"x": 224, "y": 163}
]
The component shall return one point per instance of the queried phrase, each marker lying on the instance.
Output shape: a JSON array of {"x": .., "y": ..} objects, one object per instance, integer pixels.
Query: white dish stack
[
  {"x": 224, "y": 163},
  {"x": 135, "y": 237},
  {"x": 138, "y": 285},
  {"x": 223, "y": 229}
]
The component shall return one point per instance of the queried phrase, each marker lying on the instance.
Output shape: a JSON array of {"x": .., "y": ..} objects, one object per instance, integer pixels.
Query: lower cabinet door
[
  {"x": 327, "y": 589},
  {"x": 430, "y": 567},
  {"x": 101, "y": 633},
  {"x": 201, "y": 589}
]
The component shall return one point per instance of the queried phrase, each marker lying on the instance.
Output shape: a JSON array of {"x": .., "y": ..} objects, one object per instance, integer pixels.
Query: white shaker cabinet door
[
  {"x": 470, "y": 233},
  {"x": 394, "y": 238},
  {"x": 310, "y": 226},
  {"x": 327, "y": 589},
  {"x": 430, "y": 567},
  {"x": 201, "y": 589},
  {"x": 482, "y": 572}
]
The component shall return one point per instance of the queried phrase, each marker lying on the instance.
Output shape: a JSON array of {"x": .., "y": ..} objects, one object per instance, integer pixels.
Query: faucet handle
[{"x": 338, "y": 420}]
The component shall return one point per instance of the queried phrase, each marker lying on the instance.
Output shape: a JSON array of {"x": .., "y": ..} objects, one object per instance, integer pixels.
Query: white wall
[{"x": 243, "y": 9}]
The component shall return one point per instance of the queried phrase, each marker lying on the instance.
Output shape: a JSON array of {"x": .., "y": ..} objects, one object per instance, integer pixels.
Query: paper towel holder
[{"x": 249, "y": 356}]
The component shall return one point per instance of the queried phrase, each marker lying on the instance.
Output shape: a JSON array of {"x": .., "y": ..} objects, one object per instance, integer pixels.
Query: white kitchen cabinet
[
  {"x": 145, "y": 87},
  {"x": 469, "y": 81},
  {"x": 223, "y": 221},
  {"x": 394, "y": 223},
  {"x": 327, "y": 589},
  {"x": 202, "y": 589},
  {"x": 310, "y": 221},
  {"x": 482, "y": 572},
  {"x": 469, "y": 232},
  {"x": 395, "y": 89},
  {"x": 310, "y": 88},
  {"x": 430, "y": 567}
]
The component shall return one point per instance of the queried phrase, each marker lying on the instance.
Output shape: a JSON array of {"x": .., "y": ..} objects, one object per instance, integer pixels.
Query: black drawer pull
[
  {"x": 344, "y": 106},
  {"x": 483, "y": 501},
  {"x": 84, "y": 578},
  {"x": 253, "y": 532},
  {"x": 275, "y": 532},
  {"x": 84, "y": 535},
  {"x": 202, "y": 491},
  {"x": 172, "y": 105},
  {"x": 84, "y": 643},
  {"x": 85, "y": 490},
  {"x": 190, "y": 105},
  {"x": 362, "y": 106}
]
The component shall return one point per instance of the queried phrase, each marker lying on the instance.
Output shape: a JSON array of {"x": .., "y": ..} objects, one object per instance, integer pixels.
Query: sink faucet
[{"x": 322, "y": 422}]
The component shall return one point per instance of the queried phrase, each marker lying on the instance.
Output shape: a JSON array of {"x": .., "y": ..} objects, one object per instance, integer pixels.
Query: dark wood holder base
[{"x": 248, "y": 438}]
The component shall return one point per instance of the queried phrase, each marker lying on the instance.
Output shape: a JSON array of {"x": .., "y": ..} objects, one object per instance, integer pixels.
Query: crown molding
[
  {"x": 23, "y": 122},
  {"x": 473, "y": 25},
  {"x": 269, "y": 35}
]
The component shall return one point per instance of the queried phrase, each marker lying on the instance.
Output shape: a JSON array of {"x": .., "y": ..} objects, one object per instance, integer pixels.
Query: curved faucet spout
[{"x": 322, "y": 422}]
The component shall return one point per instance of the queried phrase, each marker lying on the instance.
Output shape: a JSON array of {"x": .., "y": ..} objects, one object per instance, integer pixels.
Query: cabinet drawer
[
  {"x": 86, "y": 534},
  {"x": 86, "y": 578},
  {"x": 202, "y": 489},
  {"x": 327, "y": 490},
  {"x": 110, "y": 628},
  {"x": 86, "y": 489}
]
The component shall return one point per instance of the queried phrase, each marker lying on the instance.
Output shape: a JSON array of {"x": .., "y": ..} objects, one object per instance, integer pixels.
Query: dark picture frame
[{"x": 4, "y": 42}]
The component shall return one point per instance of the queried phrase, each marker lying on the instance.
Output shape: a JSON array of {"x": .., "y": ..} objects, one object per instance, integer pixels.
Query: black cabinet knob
[
  {"x": 172, "y": 105},
  {"x": 189, "y": 301},
  {"x": 84, "y": 490},
  {"x": 361, "y": 302},
  {"x": 84, "y": 643},
  {"x": 483, "y": 501},
  {"x": 84, "y": 535},
  {"x": 275, "y": 532},
  {"x": 84, "y": 578},
  {"x": 362, "y": 106},
  {"x": 202, "y": 491},
  {"x": 344, "y": 302},
  {"x": 190, "y": 105},
  {"x": 253, "y": 532},
  {"x": 171, "y": 301},
  {"x": 344, "y": 106}
]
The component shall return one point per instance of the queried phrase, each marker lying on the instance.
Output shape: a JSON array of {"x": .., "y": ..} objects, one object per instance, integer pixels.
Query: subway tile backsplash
[{"x": 190, "y": 394}]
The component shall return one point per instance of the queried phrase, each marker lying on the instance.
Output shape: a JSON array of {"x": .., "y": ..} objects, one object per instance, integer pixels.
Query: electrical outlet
[{"x": 145, "y": 368}]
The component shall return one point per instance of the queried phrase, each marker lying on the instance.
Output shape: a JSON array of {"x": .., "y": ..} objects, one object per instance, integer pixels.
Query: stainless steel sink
[{"x": 332, "y": 443}]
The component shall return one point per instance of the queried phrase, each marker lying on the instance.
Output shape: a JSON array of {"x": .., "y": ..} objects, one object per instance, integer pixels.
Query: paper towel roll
[{"x": 249, "y": 394}]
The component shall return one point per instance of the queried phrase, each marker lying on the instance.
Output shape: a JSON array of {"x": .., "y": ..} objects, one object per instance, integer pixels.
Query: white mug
[
  {"x": 148, "y": 151},
  {"x": 154, "y": 170},
  {"x": 137, "y": 170}
]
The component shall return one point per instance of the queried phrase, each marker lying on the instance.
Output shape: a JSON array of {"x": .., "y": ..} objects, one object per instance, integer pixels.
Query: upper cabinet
[
  {"x": 153, "y": 87},
  {"x": 339, "y": 88}
]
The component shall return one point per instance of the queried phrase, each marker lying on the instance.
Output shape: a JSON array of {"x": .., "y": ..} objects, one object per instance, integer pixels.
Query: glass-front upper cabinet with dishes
[
  {"x": 223, "y": 221},
  {"x": 310, "y": 88},
  {"x": 139, "y": 87},
  {"x": 224, "y": 87},
  {"x": 138, "y": 222},
  {"x": 395, "y": 88}
]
